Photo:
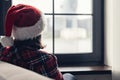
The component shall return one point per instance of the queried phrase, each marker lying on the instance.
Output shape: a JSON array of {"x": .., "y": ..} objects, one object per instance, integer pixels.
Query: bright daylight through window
[{"x": 73, "y": 25}]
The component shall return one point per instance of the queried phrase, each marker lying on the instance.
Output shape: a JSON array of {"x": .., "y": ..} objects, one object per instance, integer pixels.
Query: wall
[{"x": 112, "y": 36}]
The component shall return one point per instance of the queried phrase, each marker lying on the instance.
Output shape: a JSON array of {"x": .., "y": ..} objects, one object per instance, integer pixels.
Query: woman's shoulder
[
  {"x": 42, "y": 58},
  {"x": 5, "y": 50},
  {"x": 43, "y": 52},
  {"x": 47, "y": 54}
]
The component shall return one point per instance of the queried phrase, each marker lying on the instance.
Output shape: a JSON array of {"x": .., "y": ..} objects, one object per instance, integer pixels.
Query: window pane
[
  {"x": 44, "y": 5},
  {"x": 73, "y": 34},
  {"x": 48, "y": 35},
  {"x": 73, "y": 6}
]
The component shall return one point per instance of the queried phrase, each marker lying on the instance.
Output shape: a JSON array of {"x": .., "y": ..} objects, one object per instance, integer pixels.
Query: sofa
[{"x": 12, "y": 72}]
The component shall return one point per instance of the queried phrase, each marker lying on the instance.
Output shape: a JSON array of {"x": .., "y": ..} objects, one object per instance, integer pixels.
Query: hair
[
  {"x": 34, "y": 43},
  {"x": 40, "y": 42}
]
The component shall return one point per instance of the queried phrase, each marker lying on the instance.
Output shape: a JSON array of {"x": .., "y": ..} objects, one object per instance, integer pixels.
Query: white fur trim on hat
[
  {"x": 29, "y": 32},
  {"x": 6, "y": 41}
]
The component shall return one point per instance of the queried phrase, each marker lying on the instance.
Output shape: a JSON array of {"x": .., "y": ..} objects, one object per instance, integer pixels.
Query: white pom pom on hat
[{"x": 22, "y": 22}]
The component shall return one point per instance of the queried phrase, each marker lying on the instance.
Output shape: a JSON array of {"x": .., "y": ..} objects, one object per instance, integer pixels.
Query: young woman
[{"x": 22, "y": 45}]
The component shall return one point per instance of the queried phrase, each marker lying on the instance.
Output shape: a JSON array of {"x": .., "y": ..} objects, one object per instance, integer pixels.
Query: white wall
[
  {"x": 108, "y": 32},
  {"x": 112, "y": 29}
]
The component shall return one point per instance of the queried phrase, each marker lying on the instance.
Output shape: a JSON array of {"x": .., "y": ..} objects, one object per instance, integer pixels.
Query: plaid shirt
[{"x": 35, "y": 60}]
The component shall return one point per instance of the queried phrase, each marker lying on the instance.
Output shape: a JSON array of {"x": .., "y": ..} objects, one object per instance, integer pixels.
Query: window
[{"x": 74, "y": 30}]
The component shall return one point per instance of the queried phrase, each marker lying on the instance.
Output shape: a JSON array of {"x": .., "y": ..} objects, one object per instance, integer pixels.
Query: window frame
[
  {"x": 5, "y": 4},
  {"x": 85, "y": 59}
]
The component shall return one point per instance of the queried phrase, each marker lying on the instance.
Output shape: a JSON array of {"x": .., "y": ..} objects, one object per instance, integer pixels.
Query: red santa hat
[{"x": 22, "y": 22}]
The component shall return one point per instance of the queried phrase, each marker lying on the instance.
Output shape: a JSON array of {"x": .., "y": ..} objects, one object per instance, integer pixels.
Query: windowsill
[{"x": 85, "y": 70}]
